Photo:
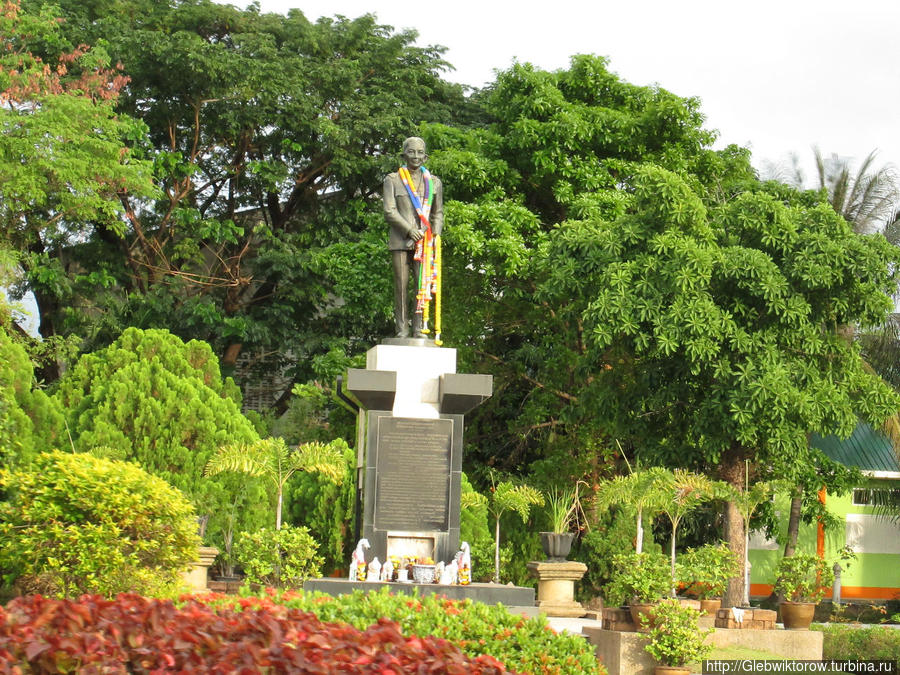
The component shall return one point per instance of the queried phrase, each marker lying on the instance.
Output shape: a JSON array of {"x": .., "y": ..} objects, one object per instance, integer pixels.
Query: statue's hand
[{"x": 415, "y": 234}]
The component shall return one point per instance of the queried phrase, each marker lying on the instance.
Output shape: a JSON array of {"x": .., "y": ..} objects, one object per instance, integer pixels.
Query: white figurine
[{"x": 358, "y": 561}]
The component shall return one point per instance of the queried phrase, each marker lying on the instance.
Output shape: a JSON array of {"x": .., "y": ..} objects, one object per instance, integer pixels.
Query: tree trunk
[
  {"x": 639, "y": 539},
  {"x": 793, "y": 523},
  {"x": 735, "y": 536},
  {"x": 731, "y": 470},
  {"x": 497, "y": 552}
]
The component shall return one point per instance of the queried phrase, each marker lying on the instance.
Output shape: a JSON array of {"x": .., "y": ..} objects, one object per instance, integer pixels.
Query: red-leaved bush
[{"x": 134, "y": 634}]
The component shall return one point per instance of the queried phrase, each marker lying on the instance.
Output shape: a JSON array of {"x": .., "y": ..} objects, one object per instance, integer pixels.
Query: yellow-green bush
[{"x": 77, "y": 523}]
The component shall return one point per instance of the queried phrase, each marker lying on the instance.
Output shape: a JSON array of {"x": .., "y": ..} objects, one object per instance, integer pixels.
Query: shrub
[
  {"x": 639, "y": 577},
  {"x": 675, "y": 638},
  {"x": 136, "y": 634},
  {"x": 327, "y": 509},
  {"x": 803, "y": 578},
  {"x": 282, "y": 557},
  {"x": 705, "y": 571},
  {"x": 30, "y": 421},
  {"x": 523, "y": 645},
  {"x": 845, "y": 642},
  {"x": 76, "y": 523}
]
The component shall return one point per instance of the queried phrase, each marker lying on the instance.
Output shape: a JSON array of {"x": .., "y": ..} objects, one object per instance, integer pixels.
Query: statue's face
[{"x": 414, "y": 154}]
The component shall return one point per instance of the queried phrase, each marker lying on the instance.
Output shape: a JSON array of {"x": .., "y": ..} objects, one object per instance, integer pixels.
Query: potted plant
[
  {"x": 676, "y": 638},
  {"x": 564, "y": 510},
  {"x": 643, "y": 579},
  {"x": 802, "y": 580},
  {"x": 704, "y": 573}
]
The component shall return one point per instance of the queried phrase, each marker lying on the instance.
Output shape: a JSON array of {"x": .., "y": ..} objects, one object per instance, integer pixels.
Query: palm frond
[
  {"x": 326, "y": 459},
  {"x": 249, "y": 458}
]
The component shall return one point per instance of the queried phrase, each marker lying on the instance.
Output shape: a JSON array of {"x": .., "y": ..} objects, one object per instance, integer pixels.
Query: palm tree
[
  {"x": 867, "y": 198},
  {"x": 273, "y": 460}
]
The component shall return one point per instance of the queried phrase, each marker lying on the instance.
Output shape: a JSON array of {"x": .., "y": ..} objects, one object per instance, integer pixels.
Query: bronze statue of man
[{"x": 412, "y": 198}]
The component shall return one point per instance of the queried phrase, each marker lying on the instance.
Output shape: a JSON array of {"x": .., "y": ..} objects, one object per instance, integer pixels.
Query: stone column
[
  {"x": 556, "y": 587},
  {"x": 197, "y": 575}
]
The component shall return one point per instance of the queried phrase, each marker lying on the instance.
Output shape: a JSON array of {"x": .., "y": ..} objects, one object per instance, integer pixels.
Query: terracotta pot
[
  {"x": 711, "y": 606},
  {"x": 797, "y": 615},
  {"x": 557, "y": 545},
  {"x": 638, "y": 610},
  {"x": 671, "y": 670}
]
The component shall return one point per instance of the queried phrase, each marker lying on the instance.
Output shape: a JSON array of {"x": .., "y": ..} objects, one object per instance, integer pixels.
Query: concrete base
[
  {"x": 624, "y": 654},
  {"x": 197, "y": 575},
  {"x": 786, "y": 644},
  {"x": 556, "y": 587},
  {"x": 489, "y": 594}
]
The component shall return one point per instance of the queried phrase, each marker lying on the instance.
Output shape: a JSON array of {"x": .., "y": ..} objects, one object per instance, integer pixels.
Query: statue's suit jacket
[{"x": 401, "y": 215}]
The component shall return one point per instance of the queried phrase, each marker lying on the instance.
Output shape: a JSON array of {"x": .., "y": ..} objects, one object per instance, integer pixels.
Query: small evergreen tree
[{"x": 162, "y": 403}]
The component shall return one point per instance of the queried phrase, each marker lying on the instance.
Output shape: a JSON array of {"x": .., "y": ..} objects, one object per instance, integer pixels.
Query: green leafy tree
[
  {"x": 272, "y": 460},
  {"x": 722, "y": 319},
  {"x": 559, "y": 147},
  {"x": 269, "y": 137},
  {"x": 77, "y": 524},
  {"x": 65, "y": 155},
  {"x": 163, "y": 404}
]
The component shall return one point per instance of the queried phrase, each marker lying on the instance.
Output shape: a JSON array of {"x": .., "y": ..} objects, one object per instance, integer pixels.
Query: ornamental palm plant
[{"x": 273, "y": 460}]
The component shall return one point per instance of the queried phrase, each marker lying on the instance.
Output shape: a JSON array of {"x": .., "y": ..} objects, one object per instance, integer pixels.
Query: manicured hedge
[
  {"x": 523, "y": 645},
  {"x": 136, "y": 634},
  {"x": 842, "y": 641}
]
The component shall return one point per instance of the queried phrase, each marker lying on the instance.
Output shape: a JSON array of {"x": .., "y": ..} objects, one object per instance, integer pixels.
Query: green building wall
[{"x": 870, "y": 576}]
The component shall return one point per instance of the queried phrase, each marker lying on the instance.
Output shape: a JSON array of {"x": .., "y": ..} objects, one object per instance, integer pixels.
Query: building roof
[{"x": 867, "y": 448}]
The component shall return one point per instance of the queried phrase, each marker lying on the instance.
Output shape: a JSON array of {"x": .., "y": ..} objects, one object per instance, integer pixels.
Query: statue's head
[{"x": 414, "y": 152}]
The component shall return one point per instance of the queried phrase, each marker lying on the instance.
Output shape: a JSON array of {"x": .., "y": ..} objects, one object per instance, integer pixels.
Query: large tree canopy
[
  {"x": 562, "y": 147},
  {"x": 269, "y": 135}
]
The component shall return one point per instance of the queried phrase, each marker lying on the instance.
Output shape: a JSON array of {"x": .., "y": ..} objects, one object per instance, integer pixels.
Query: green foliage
[
  {"x": 803, "y": 578},
  {"x": 475, "y": 529},
  {"x": 327, "y": 509},
  {"x": 705, "y": 571},
  {"x": 506, "y": 496},
  {"x": 76, "y": 524},
  {"x": 523, "y": 645},
  {"x": 259, "y": 116},
  {"x": 30, "y": 421},
  {"x": 560, "y": 155},
  {"x": 613, "y": 533},
  {"x": 860, "y": 642},
  {"x": 282, "y": 558},
  {"x": 164, "y": 405},
  {"x": 676, "y": 638},
  {"x": 272, "y": 460},
  {"x": 564, "y": 507},
  {"x": 639, "y": 577}
]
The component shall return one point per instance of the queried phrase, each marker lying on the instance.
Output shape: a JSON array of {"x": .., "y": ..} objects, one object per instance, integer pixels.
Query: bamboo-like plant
[{"x": 271, "y": 459}]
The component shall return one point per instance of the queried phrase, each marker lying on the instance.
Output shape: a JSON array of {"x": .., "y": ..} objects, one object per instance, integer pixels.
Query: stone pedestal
[
  {"x": 556, "y": 587},
  {"x": 412, "y": 432},
  {"x": 197, "y": 574}
]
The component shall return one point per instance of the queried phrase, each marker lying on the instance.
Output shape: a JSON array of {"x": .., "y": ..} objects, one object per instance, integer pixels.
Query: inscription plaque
[{"x": 412, "y": 486}]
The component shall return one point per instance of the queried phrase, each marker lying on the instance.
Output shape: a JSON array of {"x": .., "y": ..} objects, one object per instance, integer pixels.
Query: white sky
[{"x": 777, "y": 76}]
